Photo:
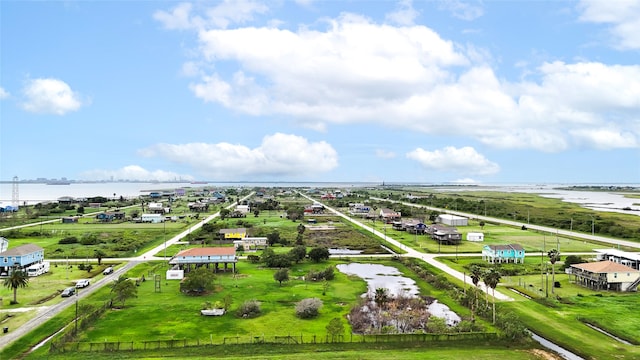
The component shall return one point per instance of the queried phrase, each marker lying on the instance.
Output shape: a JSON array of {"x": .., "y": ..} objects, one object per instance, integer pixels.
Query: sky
[{"x": 439, "y": 91}]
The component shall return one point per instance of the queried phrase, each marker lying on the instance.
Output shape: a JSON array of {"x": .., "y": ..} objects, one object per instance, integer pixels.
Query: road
[
  {"x": 51, "y": 311},
  {"x": 410, "y": 252}
]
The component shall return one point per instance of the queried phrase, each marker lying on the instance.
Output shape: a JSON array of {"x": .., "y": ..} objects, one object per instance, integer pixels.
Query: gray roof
[{"x": 22, "y": 250}]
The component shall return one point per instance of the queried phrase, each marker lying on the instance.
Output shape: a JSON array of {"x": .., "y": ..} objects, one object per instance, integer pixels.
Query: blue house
[
  {"x": 22, "y": 256},
  {"x": 503, "y": 253}
]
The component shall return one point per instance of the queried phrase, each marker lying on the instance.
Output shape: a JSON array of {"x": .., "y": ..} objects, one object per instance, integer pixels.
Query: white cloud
[
  {"x": 465, "y": 10},
  {"x": 51, "y": 96},
  {"x": 222, "y": 15},
  {"x": 606, "y": 138},
  {"x": 3, "y": 93},
  {"x": 622, "y": 16},
  {"x": 467, "y": 181},
  {"x": 134, "y": 172},
  {"x": 279, "y": 155},
  {"x": 405, "y": 14},
  {"x": 465, "y": 160},
  {"x": 384, "y": 154},
  {"x": 408, "y": 77}
]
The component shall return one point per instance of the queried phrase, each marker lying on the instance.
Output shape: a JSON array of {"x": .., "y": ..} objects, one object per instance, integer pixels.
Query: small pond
[{"x": 387, "y": 277}]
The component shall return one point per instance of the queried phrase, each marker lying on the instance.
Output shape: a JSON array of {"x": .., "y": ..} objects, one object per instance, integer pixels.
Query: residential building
[
  {"x": 452, "y": 220},
  {"x": 475, "y": 236},
  {"x": 233, "y": 234},
  {"x": 514, "y": 253},
  {"x": 606, "y": 275},
  {"x": 20, "y": 256},
  {"x": 444, "y": 234},
  {"x": 209, "y": 257},
  {"x": 629, "y": 259},
  {"x": 389, "y": 216}
]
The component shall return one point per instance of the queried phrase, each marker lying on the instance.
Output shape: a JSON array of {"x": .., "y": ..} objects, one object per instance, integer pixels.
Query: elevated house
[
  {"x": 444, "y": 234},
  {"x": 209, "y": 257},
  {"x": 359, "y": 209},
  {"x": 314, "y": 208},
  {"x": 503, "y": 253},
  {"x": 412, "y": 226},
  {"x": 198, "y": 207},
  {"x": 389, "y": 216},
  {"x": 21, "y": 256},
  {"x": 626, "y": 258},
  {"x": 606, "y": 275}
]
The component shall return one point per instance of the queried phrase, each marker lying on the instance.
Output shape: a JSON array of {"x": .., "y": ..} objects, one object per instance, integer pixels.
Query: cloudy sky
[{"x": 432, "y": 91}]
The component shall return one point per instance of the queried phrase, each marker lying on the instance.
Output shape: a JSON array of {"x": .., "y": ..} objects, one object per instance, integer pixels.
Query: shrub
[
  {"x": 249, "y": 309},
  {"x": 308, "y": 308},
  {"x": 68, "y": 240}
]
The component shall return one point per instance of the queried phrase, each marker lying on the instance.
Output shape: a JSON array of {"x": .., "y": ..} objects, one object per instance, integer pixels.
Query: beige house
[{"x": 606, "y": 275}]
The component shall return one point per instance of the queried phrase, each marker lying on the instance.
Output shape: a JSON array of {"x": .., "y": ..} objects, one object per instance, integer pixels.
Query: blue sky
[{"x": 410, "y": 91}]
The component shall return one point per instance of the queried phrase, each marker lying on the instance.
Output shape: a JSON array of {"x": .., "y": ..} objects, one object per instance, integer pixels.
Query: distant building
[
  {"x": 452, "y": 220},
  {"x": 629, "y": 259},
  {"x": 233, "y": 234},
  {"x": 475, "y": 236}
]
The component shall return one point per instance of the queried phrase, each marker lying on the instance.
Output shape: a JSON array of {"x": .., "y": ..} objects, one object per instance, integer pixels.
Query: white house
[
  {"x": 244, "y": 209},
  {"x": 475, "y": 236}
]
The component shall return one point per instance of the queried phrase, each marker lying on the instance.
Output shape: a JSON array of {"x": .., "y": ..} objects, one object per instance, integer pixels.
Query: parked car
[
  {"x": 82, "y": 283},
  {"x": 107, "y": 271},
  {"x": 70, "y": 291}
]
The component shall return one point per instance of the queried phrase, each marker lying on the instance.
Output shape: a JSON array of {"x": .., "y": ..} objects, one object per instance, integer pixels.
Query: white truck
[{"x": 38, "y": 268}]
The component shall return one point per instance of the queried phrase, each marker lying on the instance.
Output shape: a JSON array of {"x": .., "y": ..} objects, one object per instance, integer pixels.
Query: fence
[{"x": 112, "y": 346}]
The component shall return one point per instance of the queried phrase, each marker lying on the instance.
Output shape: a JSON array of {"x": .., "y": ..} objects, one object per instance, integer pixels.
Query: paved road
[
  {"x": 410, "y": 252},
  {"x": 51, "y": 311},
  {"x": 552, "y": 231}
]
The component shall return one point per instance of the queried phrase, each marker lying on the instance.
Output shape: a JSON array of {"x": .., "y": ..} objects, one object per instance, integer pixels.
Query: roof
[
  {"x": 232, "y": 231},
  {"x": 452, "y": 217},
  {"x": 618, "y": 253},
  {"x": 516, "y": 247},
  {"x": 604, "y": 267},
  {"x": 22, "y": 250},
  {"x": 208, "y": 251}
]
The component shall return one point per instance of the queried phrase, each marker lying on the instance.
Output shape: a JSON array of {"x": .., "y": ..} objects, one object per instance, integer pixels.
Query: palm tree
[
  {"x": 475, "y": 275},
  {"x": 381, "y": 296},
  {"x": 491, "y": 279},
  {"x": 554, "y": 255},
  {"x": 17, "y": 279}
]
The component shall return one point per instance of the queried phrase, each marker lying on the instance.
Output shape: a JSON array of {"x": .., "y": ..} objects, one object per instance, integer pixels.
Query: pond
[{"x": 387, "y": 277}]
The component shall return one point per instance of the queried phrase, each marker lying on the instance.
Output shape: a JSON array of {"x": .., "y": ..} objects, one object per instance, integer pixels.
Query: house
[
  {"x": 198, "y": 207},
  {"x": 359, "y": 209},
  {"x": 629, "y": 259},
  {"x": 251, "y": 243},
  {"x": 503, "y": 253},
  {"x": 69, "y": 219},
  {"x": 233, "y": 234},
  {"x": 444, "y": 234},
  {"x": 22, "y": 256},
  {"x": 414, "y": 226},
  {"x": 475, "y": 236},
  {"x": 105, "y": 217},
  {"x": 389, "y": 216},
  {"x": 327, "y": 196},
  {"x": 606, "y": 275},
  {"x": 209, "y": 257},
  {"x": 156, "y": 208},
  {"x": 315, "y": 208},
  {"x": 452, "y": 220}
]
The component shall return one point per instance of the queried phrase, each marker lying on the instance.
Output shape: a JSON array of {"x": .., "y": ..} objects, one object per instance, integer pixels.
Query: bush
[
  {"x": 68, "y": 240},
  {"x": 308, "y": 308},
  {"x": 249, "y": 309}
]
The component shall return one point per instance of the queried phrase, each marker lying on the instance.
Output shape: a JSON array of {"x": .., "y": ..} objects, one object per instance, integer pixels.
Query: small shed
[{"x": 475, "y": 236}]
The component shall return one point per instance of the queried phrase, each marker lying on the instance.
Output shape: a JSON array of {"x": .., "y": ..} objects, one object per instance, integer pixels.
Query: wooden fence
[{"x": 113, "y": 346}]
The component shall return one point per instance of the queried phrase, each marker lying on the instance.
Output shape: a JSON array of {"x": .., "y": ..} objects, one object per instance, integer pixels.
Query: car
[
  {"x": 107, "y": 271},
  {"x": 82, "y": 283},
  {"x": 70, "y": 291}
]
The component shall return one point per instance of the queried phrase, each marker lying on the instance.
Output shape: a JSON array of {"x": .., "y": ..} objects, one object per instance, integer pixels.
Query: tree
[
  {"x": 554, "y": 255},
  {"x": 256, "y": 212},
  {"x": 273, "y": 238},
  {"x": 308, "y": 308},
  {"x": 481, "y": 225},
  {"x": 123, "y": 289},
  {"x": 281, "y": 275},
  {"x": 475, "y": 275},
  {"x": 381, "y": 297},
  {"x": 335, "y": 329},
  {"x": 572, "y": 259},
  {"x": 224, "y": 213},
  {"x": 17, "y": 279},
  {"x": 99, "y": 254},
  {"x": 319, "y": 254},
  {"x": 298, "y": 253},
  {"x": 198, "y": 281},
  {"x": 492, "y": 279}
]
